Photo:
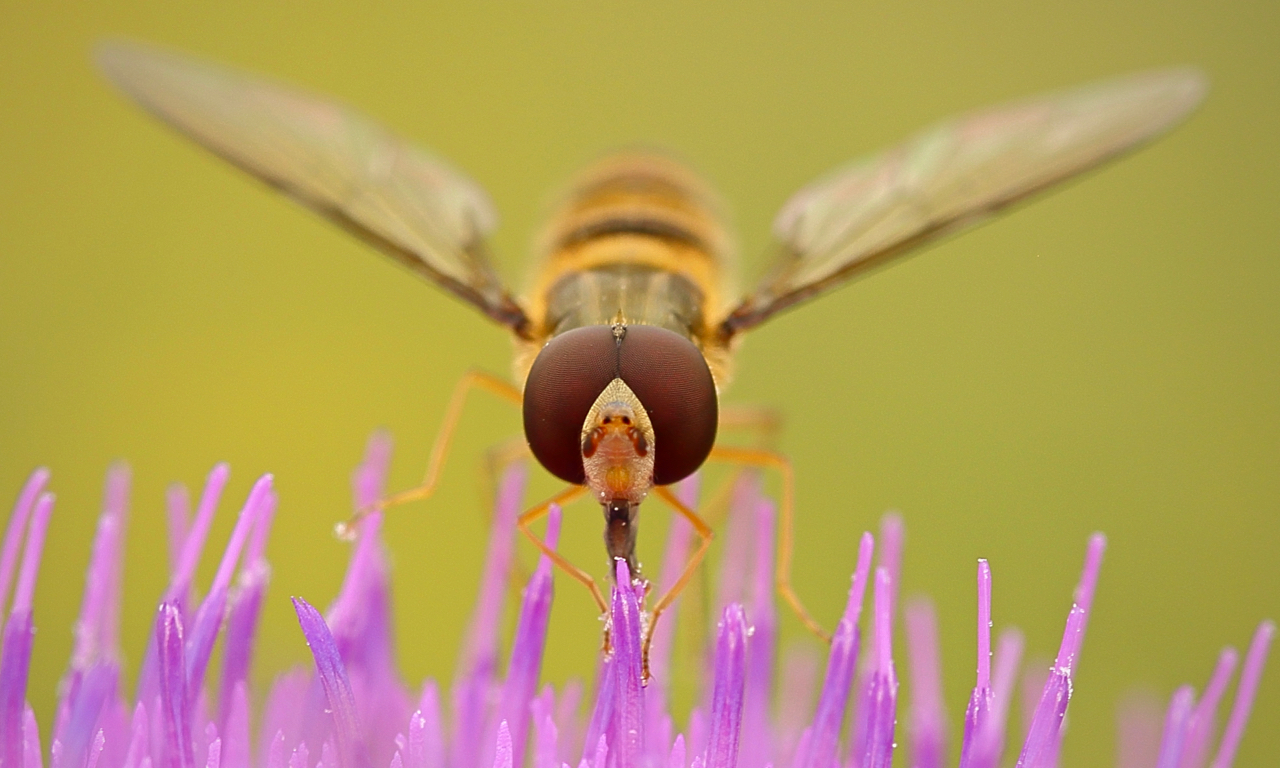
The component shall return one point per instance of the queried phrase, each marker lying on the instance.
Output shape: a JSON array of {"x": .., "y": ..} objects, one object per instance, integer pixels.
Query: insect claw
[
  {"x": 344, "y": 531},
  {"x": 348, "y": 530}
]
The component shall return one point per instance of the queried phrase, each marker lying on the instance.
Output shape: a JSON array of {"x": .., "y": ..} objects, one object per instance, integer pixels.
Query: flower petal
[
  {"x": 627, "y": 727},
  {"x": 175, "y": 715},
  {"x": 726, "y": 701},
  {"x": 825, "y": 731},
  {"x": 528, "y": 645},
  {"x": 19, "y": 633},
  {"x": 337, "y": 688},
  {"x": 13, "y": 533},
  {"x": 928, "y": 716},
  {"x": 1176, "y": 720},
  {"x": 882, "y": 701},
  {"x": 1254, "y": 661}
]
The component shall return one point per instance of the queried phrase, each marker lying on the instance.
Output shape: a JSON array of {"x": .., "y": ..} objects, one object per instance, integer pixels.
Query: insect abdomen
[
  {"x": 637, "y": 235},
  {"x": 632, "y": 216}
]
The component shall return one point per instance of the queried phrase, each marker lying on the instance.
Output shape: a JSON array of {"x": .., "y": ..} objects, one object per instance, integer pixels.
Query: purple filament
[{"x": 351, "y": 709}]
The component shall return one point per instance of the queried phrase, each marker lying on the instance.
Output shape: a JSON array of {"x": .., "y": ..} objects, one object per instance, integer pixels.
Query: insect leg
[
  {"x": 539, "y": 511},
  {"x": 496, "y": 461},
  {"x": 704, "y": 534},
  {"x": 472, "y": 379},
  {"x": 765, "y": 422},
  {"x": 769, "y": 460}
]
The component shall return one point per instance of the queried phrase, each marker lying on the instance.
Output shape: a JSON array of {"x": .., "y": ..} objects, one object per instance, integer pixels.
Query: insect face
[
  {"x": 628, "y": 396},
  {"x": 618, "y": 446}
]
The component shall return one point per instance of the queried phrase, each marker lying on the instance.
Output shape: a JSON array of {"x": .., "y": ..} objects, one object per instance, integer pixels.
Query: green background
[{"x": 1102, "y": 359}]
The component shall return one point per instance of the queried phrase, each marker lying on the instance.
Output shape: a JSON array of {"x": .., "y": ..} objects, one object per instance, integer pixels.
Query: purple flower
[{"x": 352, "y": 710}]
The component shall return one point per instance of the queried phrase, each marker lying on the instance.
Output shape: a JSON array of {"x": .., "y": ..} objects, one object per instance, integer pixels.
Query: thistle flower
[{"x": 351, "y": 709}]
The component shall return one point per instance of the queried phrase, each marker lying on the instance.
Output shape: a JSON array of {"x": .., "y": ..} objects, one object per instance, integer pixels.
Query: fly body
[{"x": 625, "y": 337}]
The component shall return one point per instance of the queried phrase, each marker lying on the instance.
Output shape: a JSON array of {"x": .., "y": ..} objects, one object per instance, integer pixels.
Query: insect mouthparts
[
  {"x": 620, "y": 532},
  {"x": 617, "y": 509}
]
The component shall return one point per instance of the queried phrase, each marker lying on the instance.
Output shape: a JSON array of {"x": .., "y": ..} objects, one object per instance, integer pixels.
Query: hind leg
[{"x": 472, "y": 379}]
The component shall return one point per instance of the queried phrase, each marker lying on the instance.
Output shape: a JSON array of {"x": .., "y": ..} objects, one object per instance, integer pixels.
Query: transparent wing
[
  {"x": 954, "y": 175},
  {"x": 346, "y": 166}
]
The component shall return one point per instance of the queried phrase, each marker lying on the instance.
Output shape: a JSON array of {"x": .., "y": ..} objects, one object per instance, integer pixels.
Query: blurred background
[{"x": 1105, "y": 358}]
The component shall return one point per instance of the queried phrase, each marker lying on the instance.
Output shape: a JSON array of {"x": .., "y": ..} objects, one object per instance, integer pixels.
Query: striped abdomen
[{"x": 637, "y": 237}]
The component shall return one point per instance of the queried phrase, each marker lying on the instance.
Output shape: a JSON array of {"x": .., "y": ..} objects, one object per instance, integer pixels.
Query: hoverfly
[{"x": 625, "y": 339}]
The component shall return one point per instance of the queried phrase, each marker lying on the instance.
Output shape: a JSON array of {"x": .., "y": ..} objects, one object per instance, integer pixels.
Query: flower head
[{"x": 352, "y": 710}]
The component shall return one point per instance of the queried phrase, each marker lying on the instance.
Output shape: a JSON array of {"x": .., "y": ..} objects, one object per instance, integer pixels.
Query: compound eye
[
  {"x": 671, "y": 378},
  {"x": 566, "y": 378}
]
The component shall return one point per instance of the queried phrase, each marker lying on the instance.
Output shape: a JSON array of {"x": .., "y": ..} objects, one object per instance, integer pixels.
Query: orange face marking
[
  {"x": 618, "y": 479},
  {"x": 617, "y": 446},
  {"x": 591, "y": 442},
  {"x": 638, "y": 442}
]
